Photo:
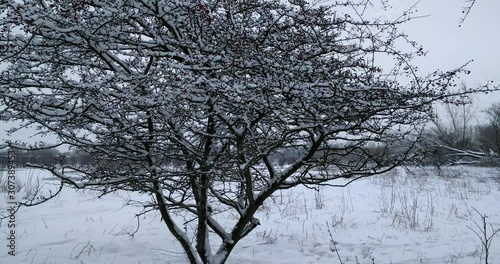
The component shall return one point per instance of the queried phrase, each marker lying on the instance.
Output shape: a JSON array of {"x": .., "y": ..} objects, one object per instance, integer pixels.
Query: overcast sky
[{"x": 448, "y": 45}]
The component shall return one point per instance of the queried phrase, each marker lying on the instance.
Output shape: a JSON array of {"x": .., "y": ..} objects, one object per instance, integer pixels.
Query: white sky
[{"x": 448, "y": 45}]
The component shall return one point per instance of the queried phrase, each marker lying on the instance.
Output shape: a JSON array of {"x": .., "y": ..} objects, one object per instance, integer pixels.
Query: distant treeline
[
  {"x": 47, "y": 156},
  {"x": 282, "y": 157},
  {"x": 431, "y": 153}
]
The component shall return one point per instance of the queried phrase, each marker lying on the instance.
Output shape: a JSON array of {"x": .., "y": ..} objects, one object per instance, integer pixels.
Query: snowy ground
[{"x": 400, "y": 217}]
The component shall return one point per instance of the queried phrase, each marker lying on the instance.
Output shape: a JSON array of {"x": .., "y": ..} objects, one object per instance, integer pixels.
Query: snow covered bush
[{"x": 187, "y": 101}]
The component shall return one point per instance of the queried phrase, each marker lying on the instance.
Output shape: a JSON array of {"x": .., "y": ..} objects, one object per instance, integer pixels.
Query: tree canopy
[{"x": 187, "y": 100}]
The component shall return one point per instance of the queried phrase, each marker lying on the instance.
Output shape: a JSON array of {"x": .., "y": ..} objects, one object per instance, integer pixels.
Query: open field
[{"x": 422, "y": 216}]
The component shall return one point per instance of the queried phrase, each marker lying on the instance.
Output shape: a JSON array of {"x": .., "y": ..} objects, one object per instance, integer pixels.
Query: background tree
[
  {"x": 451, "y": 135},
  {"x": 456, "y": 138},
  {"x": 488, "y": 135},
  {"x": 188, "y": 101}
]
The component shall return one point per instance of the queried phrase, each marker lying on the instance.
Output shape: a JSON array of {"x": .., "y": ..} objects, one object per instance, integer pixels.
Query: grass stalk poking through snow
[{"x": 481, "y": 231}]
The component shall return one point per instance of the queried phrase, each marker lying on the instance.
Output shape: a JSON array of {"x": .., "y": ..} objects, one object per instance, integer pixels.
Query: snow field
[{"x": 405, "y": 216}]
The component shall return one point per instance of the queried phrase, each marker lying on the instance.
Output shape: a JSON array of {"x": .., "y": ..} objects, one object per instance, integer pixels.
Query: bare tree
[
  {"x": 187, "y": 101},
  {"x": 455, "y": 137},
  {"x": 488, "y": 135},
  {"x": 450, "y": 140},
  {"x": 456, "y": 126}
]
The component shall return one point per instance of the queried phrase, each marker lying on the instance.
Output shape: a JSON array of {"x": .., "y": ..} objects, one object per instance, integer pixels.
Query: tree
[
  {"x": 458, "y": 140},
  {"x": 457, "y": 130},
  {"x": 451, "y": 137},
  {"x": 188, "y": 101},
  {"x": 488, "y": 135}
]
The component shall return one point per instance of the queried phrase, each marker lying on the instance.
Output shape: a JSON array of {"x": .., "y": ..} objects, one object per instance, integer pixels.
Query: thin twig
[{"x": 333, "y": 243}]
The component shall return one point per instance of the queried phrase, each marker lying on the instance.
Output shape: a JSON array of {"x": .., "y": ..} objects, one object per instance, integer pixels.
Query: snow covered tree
[{"x": 187, "y": 101}]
